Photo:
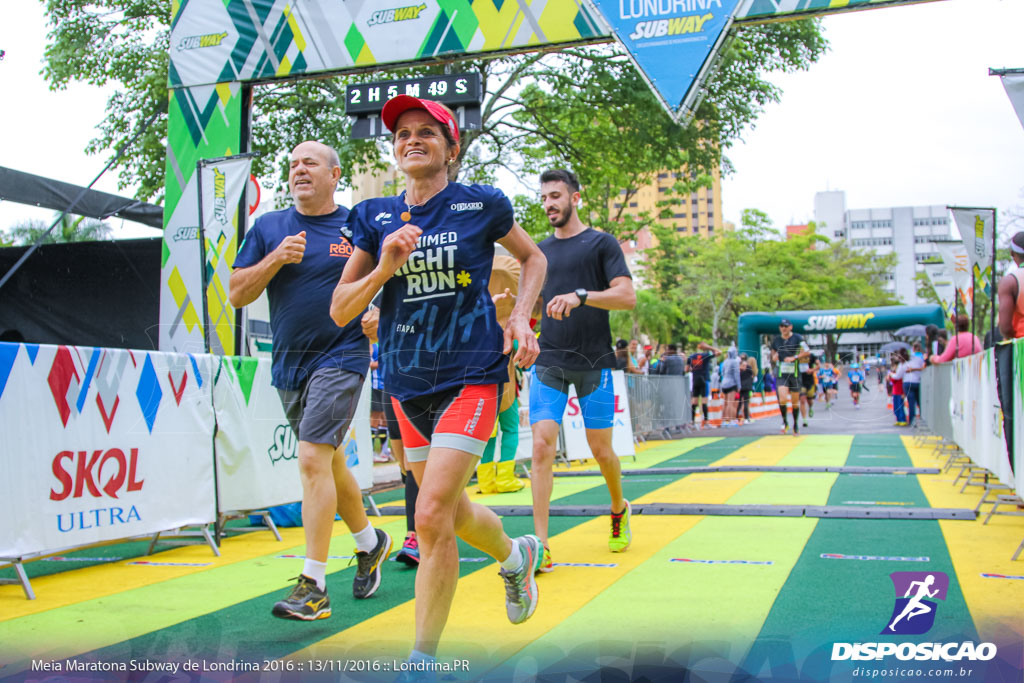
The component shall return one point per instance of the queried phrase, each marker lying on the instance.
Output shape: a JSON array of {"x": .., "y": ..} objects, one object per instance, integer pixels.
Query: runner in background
[
  {"x": 318, "y": 367},
  {"x": 856, "y": 377},
  {"x": 587, "y": 277},
  {"x": 498, "y": 474},
  {"x": 409, "y": 553},
  {"x": 788, "y": 349},
  {"x": 824, "y": 374},
  {"x": 808, "y": 388},
  {"x": 699, "y": 365}
]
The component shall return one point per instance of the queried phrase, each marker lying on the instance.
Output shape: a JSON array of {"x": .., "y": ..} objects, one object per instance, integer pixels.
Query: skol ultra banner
[
  {"x": 101, "y": 444},
  {"x": 223, "y": 184}
]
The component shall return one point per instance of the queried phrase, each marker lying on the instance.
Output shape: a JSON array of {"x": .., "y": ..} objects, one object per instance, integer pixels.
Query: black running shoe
[
  {"x": 306, "y": 602},
  {"x": 367, "y": 579}
]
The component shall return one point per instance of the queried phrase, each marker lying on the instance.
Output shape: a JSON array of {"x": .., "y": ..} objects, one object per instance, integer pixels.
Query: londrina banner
[{"x": 669, "y": 40}]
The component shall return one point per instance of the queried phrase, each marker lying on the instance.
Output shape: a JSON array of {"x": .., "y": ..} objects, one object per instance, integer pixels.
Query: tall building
[
  {"x": 374, "y": 183},
  {"x": 906, "y": 231},
  {"x": 698, "y": 213}
]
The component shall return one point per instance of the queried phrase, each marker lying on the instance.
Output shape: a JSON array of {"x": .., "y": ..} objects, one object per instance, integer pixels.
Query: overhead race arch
[{"x": 220, "y": 48}]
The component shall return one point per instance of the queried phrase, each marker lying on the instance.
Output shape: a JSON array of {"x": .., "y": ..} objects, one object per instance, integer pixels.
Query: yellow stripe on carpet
[
  {"x": 977, "y": 549},
  {"x": 95, "y": 600}
]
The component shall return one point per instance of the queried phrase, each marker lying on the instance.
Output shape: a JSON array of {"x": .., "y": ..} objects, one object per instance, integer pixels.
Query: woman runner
[{"x": 431, "y": 249}]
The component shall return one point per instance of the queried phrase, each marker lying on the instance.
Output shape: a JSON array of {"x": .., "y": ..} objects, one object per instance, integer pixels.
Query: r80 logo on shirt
[{"x": 342, "y": 249}]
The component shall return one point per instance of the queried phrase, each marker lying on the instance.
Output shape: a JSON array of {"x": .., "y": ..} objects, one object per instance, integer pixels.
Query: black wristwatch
[{"x": 582, "y": 294}]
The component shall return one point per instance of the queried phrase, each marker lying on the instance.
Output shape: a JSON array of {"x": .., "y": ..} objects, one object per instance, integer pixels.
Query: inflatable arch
[{"x": 752, "y": 325}]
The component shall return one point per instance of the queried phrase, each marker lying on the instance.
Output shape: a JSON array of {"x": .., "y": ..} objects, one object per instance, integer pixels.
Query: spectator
[
  {"x": 637, "y": 359},
  {"x": 912, "y": 382},
  {"x": 622, "y": 355},
  {"x": 896, "y": 378},
  {"x": 671, "y": 363},
  {"x": 748, "y": 370},
  {"x": 963, "y": 343},
  {"x": 731, "y": 385},
  {"x": 941, "y": 339}
]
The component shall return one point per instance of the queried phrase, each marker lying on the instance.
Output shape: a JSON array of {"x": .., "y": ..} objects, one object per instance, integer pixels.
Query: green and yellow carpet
[{"x": 702, "y": 598}]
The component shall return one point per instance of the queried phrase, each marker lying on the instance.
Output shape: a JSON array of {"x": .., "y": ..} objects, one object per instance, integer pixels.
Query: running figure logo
[{"x": 914, "y": 612}]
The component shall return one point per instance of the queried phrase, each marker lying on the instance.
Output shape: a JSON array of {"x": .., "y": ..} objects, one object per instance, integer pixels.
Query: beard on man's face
[{"x": 560, "y": 217}]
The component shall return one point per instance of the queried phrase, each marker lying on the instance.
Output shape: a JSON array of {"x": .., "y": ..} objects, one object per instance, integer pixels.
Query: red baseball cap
[{"x": 400, "y": 104}]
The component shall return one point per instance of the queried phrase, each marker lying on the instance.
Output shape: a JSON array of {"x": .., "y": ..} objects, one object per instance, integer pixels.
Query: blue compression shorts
[{"x": 549, "y": 392}]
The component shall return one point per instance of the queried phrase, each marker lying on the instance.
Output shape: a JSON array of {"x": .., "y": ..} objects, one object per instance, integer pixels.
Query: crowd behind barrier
[
  {"x": 960, "y": 403},
  {"x": 105, "y": 444}
]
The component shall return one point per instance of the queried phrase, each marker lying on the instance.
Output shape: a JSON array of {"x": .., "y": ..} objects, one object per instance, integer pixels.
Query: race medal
[{"x": 406, "y": 216}]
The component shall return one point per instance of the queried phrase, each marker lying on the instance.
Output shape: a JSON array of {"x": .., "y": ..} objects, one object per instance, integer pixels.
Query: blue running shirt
[
  {"x": 305, "y": 337},
  {"x": 438, "y": 328}
]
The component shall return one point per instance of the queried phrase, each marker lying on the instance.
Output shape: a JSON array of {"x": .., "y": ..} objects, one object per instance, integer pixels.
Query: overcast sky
[{"x": 901, "y": 112}]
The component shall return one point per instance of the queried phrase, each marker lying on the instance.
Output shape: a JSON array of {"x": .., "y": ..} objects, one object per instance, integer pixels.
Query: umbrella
[
  {"x": 910, "y": 331},
  {"x": 894, "y": 346}
]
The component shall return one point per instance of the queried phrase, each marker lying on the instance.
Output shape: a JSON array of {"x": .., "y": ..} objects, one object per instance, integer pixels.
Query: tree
[
  {"x": 712, "y": 281},
  {"x": 585, "y": 107},
  {"x": 69, "y": 229}
]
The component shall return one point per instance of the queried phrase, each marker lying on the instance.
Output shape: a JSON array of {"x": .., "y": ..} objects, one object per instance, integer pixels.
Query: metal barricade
[
  {"x": 936, "y": 391},
  {"x": 659, "y": 404}
]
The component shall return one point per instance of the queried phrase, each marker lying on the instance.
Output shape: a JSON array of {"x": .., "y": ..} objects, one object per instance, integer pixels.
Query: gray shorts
[{"x": 321, "y": 411}]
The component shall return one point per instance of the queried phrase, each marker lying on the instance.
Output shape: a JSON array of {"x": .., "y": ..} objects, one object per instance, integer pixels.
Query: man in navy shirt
[
  {"x": 297, "y": 255},
  {"x": 587, "y": 277}
]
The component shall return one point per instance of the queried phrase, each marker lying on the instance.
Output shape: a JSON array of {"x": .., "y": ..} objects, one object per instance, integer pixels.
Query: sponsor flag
[
  {"x": 976, "y": 229},
  {"x": 222, "y": 183},
  {"x": 1014, "y": 84},
  {"x": 955, "y": 256},
  {"x": 671, "y": 43},
  {"x": 941, "y": 278}
]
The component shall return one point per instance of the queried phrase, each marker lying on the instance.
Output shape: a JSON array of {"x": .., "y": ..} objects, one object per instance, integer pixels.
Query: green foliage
[
  {"x": 583, "y": 107},
  {"x": 125, "y": 43},
  {"x": 712, "y": 281},
  {"x": 69, "y": 229}
]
